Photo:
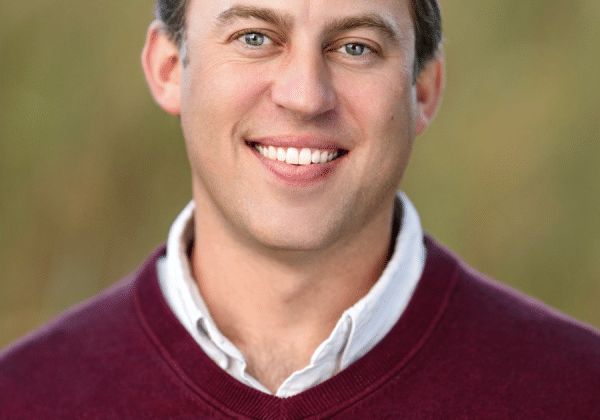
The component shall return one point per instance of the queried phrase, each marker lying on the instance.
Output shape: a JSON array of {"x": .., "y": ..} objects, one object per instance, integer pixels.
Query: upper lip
[{"x": 298, "y": 141}]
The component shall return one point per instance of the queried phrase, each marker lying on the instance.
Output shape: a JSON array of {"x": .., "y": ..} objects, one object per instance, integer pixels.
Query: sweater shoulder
[
  {"x": 499, "y": 332},
  {"x": 76, "y": 354},
  {"x": 85, "y": 321},
  {"x": 482, "y": 302},
  {"x": 507, "y": 311},
  {"x": 496, "y": 353},
  {"x": 93, "y": 320}
]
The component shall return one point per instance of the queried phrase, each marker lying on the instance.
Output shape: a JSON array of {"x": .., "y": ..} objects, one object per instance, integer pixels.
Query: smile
[{"x": 294, "y": 156}]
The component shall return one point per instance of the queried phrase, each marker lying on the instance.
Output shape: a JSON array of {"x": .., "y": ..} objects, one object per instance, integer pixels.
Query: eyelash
[{"x": 239, "y": 35}]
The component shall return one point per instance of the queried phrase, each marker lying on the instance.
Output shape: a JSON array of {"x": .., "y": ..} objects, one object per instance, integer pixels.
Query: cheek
[
  {"x": 384, "y": 114},
  {"x": 216, "y": 98},
  {"x": 397, "y": 110},
  {"x": 221, "y": 84}
]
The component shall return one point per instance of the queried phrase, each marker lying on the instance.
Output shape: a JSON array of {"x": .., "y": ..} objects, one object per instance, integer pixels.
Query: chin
[{"x": 294, "y": 236}]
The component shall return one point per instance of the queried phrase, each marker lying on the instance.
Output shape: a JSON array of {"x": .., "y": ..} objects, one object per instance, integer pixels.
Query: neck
[{"x": 277, "y": 307}]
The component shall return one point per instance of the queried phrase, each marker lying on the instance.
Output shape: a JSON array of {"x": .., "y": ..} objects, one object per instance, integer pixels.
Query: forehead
[{"x": 316, "y": 14}]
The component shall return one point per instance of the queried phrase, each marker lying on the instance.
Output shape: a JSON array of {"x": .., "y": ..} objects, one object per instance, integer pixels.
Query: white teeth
[
  {"x": 316, "y": 156},
  {"x": 281, "y": 154},
  {"x": 292, "y": 156},
  {"x": 305, "y": 157},
  {"x": 324, "y": 157}
]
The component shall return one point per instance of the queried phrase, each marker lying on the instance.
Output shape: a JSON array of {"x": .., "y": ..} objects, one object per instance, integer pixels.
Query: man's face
[{"x": 324, "y": 78}]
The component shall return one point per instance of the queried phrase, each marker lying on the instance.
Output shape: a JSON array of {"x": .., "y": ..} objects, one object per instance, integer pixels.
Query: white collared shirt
[{"x": 357, "y": 331}]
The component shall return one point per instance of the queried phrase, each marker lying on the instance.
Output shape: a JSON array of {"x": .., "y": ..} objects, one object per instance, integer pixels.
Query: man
[{"x": 298, "y": 283}]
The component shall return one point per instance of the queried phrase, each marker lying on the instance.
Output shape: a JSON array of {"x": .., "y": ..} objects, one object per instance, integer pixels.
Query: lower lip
[{"x": 299, "y": 174}]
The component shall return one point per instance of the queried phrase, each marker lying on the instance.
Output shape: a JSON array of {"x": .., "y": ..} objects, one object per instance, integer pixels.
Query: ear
[
  {"x": 161, "y": 62},
  {"x": 429, "y": 90}
]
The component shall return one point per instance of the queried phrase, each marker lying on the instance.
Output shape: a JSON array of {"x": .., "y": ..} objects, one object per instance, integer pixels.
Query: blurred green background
[{"x": 92, "y": 172}]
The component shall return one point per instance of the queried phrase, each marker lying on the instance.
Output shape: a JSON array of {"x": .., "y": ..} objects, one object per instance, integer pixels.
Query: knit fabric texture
[{"x": 465, "y": 348}]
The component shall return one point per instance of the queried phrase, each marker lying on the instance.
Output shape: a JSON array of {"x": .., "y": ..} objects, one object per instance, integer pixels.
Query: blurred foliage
[{"x": 92, "y": 172}]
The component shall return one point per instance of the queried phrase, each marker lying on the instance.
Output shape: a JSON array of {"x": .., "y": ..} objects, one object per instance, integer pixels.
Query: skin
[{"x": 278, "y": 262}]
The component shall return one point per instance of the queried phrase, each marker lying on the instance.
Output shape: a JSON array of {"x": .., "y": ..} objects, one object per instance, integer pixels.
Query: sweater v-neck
[{"x": 364, "y": 377}]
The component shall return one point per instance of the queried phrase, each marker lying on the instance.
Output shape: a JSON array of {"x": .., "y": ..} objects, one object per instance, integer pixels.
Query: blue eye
[
  {"x": 255, "y": 39},
  {"x": 355, "y": 49}
]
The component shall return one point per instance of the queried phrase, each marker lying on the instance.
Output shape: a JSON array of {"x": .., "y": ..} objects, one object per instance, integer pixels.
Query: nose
[{"x": 303, "y": 85}]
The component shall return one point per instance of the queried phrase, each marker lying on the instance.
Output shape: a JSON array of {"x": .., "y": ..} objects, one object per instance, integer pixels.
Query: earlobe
[
  {"x": 161, "y": 63},
  {"x": 429, "y": 90}
]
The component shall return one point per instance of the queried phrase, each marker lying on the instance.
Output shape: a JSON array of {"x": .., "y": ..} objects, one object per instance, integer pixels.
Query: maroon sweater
[{"x": 465, "y": 348}]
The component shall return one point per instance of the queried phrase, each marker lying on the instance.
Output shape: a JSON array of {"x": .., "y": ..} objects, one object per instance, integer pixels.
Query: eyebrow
[
  {"x": 260, "y": 13},
  {"x": 367, "y": 20}
]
